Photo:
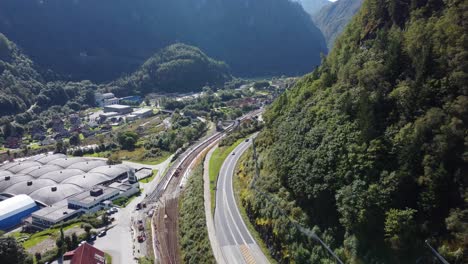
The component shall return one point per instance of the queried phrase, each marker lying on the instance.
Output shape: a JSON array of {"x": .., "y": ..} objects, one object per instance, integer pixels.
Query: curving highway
[{"x": 236, "y": 243}]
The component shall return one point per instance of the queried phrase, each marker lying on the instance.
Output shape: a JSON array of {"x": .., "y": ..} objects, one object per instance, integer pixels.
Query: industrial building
[
  {"x": 56, "y": 182},
  {"x": 14, "y": 209},
  {"x": 120, "y": 109},
  {"x": 139, "y": 113},
  {"x": 106, "y": 99}
]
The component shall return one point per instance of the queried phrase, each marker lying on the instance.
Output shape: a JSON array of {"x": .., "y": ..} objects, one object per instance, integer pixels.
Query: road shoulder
[{"x": 208, "y": 214}]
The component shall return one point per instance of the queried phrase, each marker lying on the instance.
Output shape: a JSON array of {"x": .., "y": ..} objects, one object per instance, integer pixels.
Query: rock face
[
  {"x": 99, "y": 40},
  {"x": 313, "y": 6},
  {"x": 333, "y": 18}
]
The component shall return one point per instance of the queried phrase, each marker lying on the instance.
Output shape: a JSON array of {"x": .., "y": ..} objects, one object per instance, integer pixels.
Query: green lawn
[
  {"x": 216, "y": 161},
  {"x": 38, "y": 237},
  {"x": 149, "y": 179},
  {"x": 136, "y": 155}
]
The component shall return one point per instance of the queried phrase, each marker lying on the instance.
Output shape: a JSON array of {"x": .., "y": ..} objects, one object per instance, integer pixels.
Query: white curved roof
[
  {"x": 4, "y": 184},
  {"x": 23, "y": 165},
  {"x": 41, "y": 170},
  {"x": 24, "y": 188},
  {"x": 87, "y": 180},
  {"x": 47, "y": 196},
  {"x": 48, "y": 170},
  {"x": 48, "y": 158},
  {"x": 66, "y": 162},
  {"x": 111, "y": 171},
  {"x": 14, "y": 205},
  {"x": 88, "y": 165},
  {"x": 5, "y": 173},
  {"x": 61, "y": 175}
]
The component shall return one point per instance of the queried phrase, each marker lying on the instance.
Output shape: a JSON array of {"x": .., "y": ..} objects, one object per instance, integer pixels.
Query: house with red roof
[{"x": 85, "y": 254}]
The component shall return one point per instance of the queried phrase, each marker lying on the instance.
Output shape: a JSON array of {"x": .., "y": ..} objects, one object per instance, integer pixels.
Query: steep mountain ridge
[
  {"x": 369, "y": 151},
  {"x": 331, "y": 19},
  {"x": 100, "y": 40},
  {"x": 313, "y": 6}
]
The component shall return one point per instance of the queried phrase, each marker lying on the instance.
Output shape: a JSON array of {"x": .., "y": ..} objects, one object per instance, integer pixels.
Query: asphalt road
[{"x": 236, "y": 243}]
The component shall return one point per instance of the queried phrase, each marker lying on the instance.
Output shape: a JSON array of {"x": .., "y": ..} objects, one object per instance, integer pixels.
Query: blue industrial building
[{"x": 13, "y": 210}]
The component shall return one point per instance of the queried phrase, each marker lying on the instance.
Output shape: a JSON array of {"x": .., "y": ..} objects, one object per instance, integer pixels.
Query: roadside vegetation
[
  {"x": 241, "y": 182},
  {"x": 194, "y": 241},
  {"x": 216, "y": 161}
]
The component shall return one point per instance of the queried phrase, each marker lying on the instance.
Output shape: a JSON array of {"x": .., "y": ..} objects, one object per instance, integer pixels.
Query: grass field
[
  {"x": 136, "y": 155},
  {"x": 216, "y": 161},
  {"x": 38, "y": 237}
]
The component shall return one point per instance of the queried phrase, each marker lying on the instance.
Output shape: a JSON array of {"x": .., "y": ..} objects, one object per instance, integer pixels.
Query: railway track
[{"x": 166, "y": 195}]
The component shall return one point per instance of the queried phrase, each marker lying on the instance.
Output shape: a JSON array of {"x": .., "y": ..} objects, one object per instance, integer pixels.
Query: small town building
[{"x": 84, "y": 254}]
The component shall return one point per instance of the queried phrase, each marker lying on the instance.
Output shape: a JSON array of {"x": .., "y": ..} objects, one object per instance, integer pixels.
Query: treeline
[
  {"x": 194, "y": 241},
  {"x": 369, "y": 151}
]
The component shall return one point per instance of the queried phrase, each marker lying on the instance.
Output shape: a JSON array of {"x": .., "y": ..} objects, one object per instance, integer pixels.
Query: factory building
[
  {"x": 13, "y": 210},
  {"x": 140, "y": 113},
  {"x": 104, "y": 99},
  {"x": 59, "y": 184},
  {"x": 120, "y": 109}
]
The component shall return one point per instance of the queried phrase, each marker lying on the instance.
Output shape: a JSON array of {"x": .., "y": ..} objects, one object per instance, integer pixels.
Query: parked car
[{"x": 102, "y": 233}]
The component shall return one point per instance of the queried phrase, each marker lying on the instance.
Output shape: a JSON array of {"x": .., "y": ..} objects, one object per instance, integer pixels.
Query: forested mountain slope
[
  {"x": 370, "y": 150},
  {"x": 178, "y": 68},
  {"x": 23, "y": 88},
  {"x": 333, "y": 18},
  {"x": 24, "y": 92},
  {"x": 100, "y": 40}
]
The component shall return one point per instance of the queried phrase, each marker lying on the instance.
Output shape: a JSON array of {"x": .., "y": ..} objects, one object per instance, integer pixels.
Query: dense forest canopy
[
  {"x": 370, "y": 150},
  {"x": 23, "y": 88},
  {"x": 177, "y": 68},
  {"x": 333, "y": 18},
  {"x": 100, "y": 40}
]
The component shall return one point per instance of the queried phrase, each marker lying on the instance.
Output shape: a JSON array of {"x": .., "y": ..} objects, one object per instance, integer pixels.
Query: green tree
[
  {"x": 75, "y": 139},
  {"x": 11, "y": 251},
  {"x": 127, "y": 140},
  {"x": 400, "y": 227},
  {"x": 74, "y": 240},
  {"x": 87, "y": 228}
]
